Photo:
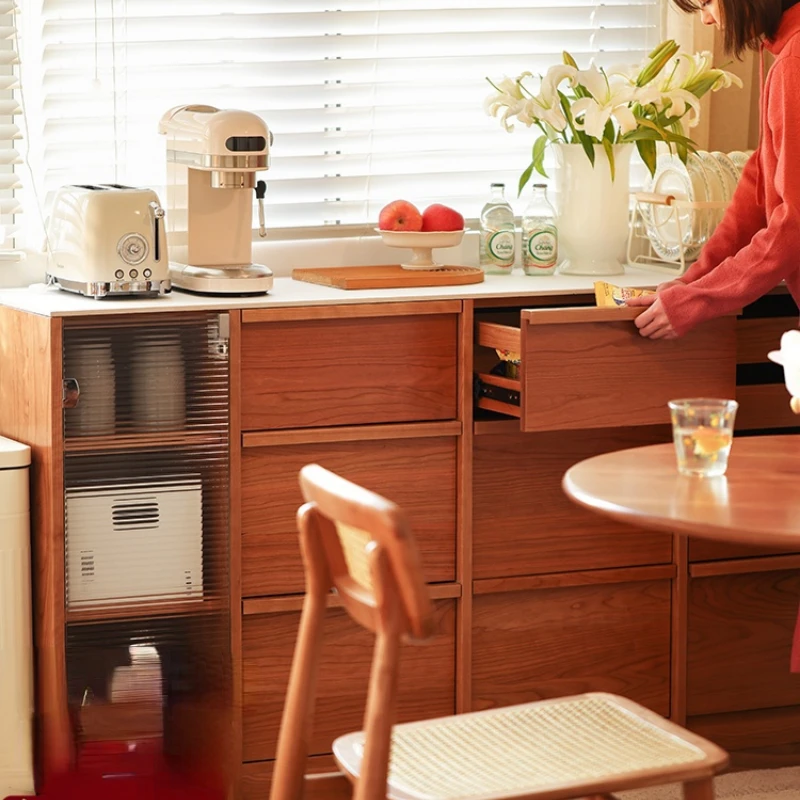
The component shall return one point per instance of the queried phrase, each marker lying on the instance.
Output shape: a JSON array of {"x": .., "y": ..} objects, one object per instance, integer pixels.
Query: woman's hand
[{"x": 653, "y": 322}]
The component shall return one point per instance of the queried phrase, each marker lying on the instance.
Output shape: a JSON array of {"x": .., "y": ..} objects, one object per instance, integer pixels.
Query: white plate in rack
[
  {"x": 669, "y": 228},
  {"x": 718, "y": 190},
  {"x": 730, "y": 171},
  {"x": 740, "y": 158}
]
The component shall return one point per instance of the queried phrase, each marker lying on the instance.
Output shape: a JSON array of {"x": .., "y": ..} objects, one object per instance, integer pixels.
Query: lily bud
[
  {"x": 569, "y": 60},
  {"x": 657, "y": 63}
]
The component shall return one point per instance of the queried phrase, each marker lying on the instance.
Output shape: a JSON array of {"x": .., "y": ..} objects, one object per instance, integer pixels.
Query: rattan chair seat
[{"x": 552, "y": 749}]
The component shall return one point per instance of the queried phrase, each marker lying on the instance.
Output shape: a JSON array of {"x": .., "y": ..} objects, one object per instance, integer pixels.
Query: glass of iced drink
[{"x": 702, "y": 428}]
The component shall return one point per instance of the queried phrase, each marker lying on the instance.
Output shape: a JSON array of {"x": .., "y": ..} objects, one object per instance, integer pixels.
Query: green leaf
[
  {"x": 609, "y": 132},
  {"x": 524, "y": 178},
  {"x": 588, "y": 145},
  {"x": 565, "y": 107},
  {"x": 640, "y": 134},
  {"x": 647, "y": 151},
  {"x": 609, "y": 148},
  {"x": 539, "y": 147}
]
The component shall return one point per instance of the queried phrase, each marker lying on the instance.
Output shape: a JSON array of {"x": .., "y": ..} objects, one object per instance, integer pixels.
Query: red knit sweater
[{"x": 757, "y": 244}]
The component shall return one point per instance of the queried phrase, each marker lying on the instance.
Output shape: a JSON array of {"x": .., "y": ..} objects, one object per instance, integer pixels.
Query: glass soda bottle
[
  {"x": 539, "y": 234},
  {"x": 498, "y": 237}
]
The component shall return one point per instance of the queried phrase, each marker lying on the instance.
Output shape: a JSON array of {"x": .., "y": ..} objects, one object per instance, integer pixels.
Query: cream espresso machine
[{"x": 212, "y": 159}]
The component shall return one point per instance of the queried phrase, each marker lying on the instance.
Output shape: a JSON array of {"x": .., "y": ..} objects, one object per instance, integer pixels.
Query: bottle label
[
  {"x": 542, "y": 248},
  {"x": 499, "y": 247}
]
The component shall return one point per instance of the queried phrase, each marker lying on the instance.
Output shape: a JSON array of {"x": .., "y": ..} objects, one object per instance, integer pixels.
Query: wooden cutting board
[{"x": 387, "y": 276}]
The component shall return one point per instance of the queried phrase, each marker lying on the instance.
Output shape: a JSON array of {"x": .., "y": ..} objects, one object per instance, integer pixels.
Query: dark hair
[{"x": 747, "y": 22}]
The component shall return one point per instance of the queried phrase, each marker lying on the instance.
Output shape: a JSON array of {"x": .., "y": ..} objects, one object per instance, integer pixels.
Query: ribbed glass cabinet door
[{"x": 146, "y": 510}]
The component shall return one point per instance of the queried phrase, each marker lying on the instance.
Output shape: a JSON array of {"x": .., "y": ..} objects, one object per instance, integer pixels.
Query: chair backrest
[
  {"x": 360, "y": 544},
  {"x": 358, "y": 531}
]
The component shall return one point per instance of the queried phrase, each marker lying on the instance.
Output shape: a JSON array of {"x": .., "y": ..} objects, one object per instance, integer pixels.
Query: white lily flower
[
  {"x": 507, "y": 102},
  {"x": 679, "y": 101},
  {"x": 610, "y": 98},
  {"x": 556, "y": 75}
]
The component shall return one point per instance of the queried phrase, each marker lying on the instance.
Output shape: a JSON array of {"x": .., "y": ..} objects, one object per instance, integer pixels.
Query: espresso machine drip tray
[{"x": 254, "y": 279}]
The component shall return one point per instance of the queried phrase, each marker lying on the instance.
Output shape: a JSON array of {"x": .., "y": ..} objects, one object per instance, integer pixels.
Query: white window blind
[
  {"x": 368, "y": 100},
  {"x": 10, "y": 133}
]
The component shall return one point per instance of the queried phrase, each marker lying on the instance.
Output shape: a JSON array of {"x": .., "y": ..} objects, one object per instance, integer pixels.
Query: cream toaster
[{"x": 108, "y": 240}]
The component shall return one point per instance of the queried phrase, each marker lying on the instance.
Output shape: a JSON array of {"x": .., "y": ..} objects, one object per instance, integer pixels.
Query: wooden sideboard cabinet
[{"x": 535, "y": 596}]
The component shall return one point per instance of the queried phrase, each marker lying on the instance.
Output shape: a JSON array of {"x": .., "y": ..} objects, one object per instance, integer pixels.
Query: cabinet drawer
[
  {"x": 418, "y": 474},
  {"x": 755, "y": 337},
  {"x": 530, "y": 645},
  {"x": 740, "y": 641},
  {"x": 589, "y": 368},
  {"x": 427, "y": 677},
  {"x": 764, "y": 407},
  {"x": 707, "y": 550},
  {"x": 524, "y": 524},
  {"x": 349, "y": 371}
]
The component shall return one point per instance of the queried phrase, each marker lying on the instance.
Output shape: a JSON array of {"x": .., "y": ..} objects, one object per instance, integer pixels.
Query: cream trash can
[{"x": 16, "y": 653}]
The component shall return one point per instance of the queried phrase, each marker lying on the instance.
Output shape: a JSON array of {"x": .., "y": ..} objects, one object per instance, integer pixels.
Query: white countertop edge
[{"x": 286, "y": 292}]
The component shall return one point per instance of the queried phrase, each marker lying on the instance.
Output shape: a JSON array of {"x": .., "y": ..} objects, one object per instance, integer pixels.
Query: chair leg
[{"x": 699, "y": 790}]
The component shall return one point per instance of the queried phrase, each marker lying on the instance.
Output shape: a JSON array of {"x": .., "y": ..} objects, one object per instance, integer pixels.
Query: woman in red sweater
[{"x": 757, "y": 243}]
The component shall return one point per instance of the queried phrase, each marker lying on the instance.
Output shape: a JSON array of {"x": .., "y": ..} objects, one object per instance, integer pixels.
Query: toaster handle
[{"x": 158, "y": 216}]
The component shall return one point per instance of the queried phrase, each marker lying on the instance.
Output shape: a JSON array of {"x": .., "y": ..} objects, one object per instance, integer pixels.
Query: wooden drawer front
[
  {"x": 740, "y": 640},
  {"x": 427, "y": 677},
  {"x": 313, "y": 373},
  {"x": 256, "y": 776},
  {"x": 418, "y": 474},
  {"x": 753, "y": 733},
  {"x": 524, "y": 524},
  {"x": 756, "y": 337},
  {"x": 764, "y": 406},
  {"x": 589, "y": 368},
  {"x": 554, "y": 642},
  {"x": 706, "y": 550}
]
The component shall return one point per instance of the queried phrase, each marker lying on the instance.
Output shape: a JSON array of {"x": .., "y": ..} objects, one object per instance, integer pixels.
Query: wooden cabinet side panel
[
  {"x": 549, "y": 643},
  {"x": 317, "y": 373},
  {"x": 524, "y": 524},
  {"x": 740, "y": 639},
  {"x": 30, "y": 412},
  {"x": 605, "y": 374},
  {"x": 426, "y": 686},
  {"x": 418, "y": 474}
]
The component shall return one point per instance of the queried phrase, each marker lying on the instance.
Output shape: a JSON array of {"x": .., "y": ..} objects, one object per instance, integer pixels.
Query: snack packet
[{"x": 606, "y": 294}]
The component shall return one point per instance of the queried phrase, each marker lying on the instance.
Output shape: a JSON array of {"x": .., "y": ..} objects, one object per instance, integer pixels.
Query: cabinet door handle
[{"x": 70, "y": 393}]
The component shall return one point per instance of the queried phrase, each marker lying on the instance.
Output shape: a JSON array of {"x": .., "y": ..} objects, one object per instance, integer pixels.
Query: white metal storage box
[{"x": 135, "y": 541}]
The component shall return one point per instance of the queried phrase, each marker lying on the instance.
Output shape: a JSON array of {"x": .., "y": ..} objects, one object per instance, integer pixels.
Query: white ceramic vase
[{"x": 593, "y": 210}]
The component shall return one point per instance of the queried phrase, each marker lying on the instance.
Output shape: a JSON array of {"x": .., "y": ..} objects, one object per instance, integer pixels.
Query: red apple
[
  {"x": 400, "y": 215},
  {"x": 441, "y": 218}
]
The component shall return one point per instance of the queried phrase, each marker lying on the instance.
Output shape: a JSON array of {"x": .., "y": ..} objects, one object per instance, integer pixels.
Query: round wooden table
[{"x": 756, "y": 503}]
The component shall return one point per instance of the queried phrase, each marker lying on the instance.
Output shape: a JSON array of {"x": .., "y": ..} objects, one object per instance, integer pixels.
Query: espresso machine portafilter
[{"x": 213, "y": 156}]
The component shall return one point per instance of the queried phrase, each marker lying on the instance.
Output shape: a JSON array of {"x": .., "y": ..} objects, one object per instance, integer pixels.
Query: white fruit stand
[{"x": 16, "y": 657}]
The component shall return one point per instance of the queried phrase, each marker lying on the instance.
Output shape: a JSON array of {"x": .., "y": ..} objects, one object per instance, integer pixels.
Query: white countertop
[{"x": 286, "y": 292}]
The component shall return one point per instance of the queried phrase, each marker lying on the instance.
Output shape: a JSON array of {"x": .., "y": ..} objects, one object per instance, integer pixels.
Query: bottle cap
[
  {"x": 539, "y": 185},
  {"x": 496, "y": 185}
]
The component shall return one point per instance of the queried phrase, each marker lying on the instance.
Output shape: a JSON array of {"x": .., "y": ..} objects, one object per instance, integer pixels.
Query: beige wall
[{"x": 729, "y": 118}]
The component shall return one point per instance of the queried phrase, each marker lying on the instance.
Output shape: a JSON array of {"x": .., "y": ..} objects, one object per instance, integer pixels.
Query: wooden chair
[{"x": 589, "y": 745}]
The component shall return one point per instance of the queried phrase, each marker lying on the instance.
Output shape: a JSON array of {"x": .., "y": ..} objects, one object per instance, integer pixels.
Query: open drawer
[{"x": 577, "y": 368}]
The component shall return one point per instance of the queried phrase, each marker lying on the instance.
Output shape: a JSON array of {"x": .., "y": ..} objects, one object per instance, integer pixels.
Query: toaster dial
[{"x": 133, "y": 248}]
